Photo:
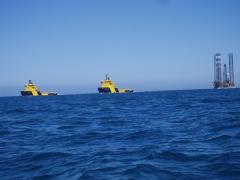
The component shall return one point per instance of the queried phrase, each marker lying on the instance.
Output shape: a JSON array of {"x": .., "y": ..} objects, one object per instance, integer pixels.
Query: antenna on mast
[{"x": 107, "y": 77}]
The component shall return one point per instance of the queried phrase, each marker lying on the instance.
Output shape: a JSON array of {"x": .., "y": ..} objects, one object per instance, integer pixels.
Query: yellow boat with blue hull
[
  {"x": 31, "y": 90},
  {"x": 108, "y": 86}
]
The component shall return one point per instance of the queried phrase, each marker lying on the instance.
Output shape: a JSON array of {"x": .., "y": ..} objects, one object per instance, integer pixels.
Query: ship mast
[{"x": 107, "y": 77}]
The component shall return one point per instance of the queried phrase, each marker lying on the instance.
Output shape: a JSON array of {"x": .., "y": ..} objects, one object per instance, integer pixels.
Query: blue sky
[{"x": 69, "y": 45}]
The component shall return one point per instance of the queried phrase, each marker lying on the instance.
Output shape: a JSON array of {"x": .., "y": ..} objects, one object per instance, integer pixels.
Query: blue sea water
[{"x": 152, "y": 135}]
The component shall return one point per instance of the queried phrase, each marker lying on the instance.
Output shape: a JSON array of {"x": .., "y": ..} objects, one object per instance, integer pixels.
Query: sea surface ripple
[{"x": 152, "y": 135}]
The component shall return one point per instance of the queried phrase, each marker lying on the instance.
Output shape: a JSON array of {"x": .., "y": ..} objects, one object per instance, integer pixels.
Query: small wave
[
  {"x": 177, "y": 156},
  {"x": 49, "y": 155},
  {"x": 5, "y": 131},
  {"x": 219, "y": 139},
  {"x": 15, "y": 110},
  {"x": 102, "y": 172},
  {"x": 41, "y": 177},
  {"x": 142, "y": 134},
  {"x": 225, "y": 169},
  {"x": 226, "y": 126},
  {"x": 31, "y": 168},
  {"x": 67, "y": 127},
  {"x": 224, "y": 157},
  {"x": 74, "y": 124},
  {"x": 148, "y": 171}
]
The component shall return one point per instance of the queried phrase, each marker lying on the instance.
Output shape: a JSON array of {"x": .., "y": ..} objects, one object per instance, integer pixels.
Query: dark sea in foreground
[{"x": 155, "y": 135}]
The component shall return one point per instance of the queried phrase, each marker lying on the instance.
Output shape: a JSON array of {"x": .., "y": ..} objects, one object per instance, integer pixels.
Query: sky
[{"x": 68, "y": 46}]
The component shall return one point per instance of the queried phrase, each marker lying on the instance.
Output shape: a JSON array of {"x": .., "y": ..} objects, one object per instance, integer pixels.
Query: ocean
[{"x": 191, "y": 134}]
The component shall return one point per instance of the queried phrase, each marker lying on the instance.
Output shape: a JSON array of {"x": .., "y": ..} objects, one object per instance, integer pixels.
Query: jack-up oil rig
[{"x": 223, "y": 79}]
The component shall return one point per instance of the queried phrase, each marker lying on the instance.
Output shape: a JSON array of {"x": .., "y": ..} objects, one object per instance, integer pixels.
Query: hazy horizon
[{"x": 147, "y": 45}]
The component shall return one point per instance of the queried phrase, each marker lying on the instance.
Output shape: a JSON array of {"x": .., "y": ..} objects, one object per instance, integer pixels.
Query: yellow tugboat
[
  {"x": 108, "y": 86},
  {"x": 32, "y": 90}
]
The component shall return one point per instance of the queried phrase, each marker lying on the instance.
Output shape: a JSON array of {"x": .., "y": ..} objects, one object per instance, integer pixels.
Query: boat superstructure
[
  {"x": 31, "y": 90},
  {"x": 108, "y": 86}
]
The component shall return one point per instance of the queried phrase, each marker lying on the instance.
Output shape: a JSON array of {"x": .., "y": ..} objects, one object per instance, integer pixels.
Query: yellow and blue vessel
[
  {"x": 108, "y": 86},
  {"x": 31, "y": 90}
]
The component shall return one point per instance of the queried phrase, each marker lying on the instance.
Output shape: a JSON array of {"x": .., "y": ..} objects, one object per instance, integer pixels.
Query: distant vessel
[
  {"x": 31, "y": 90},
  {"x": 108, "y": 86}
]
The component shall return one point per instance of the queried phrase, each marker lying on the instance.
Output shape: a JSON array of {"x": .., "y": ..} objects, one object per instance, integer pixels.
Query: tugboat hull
[
  {"x": 29, "y": 93},
  {"x": 127, "y": 91},
  {"x": 107, "y": 90},
  {"x": 26, "y": 93},
  {"x": 104, "y": 90},
  {"x": 48, "y": 94},
  {"x": 52, "y": 94}
]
